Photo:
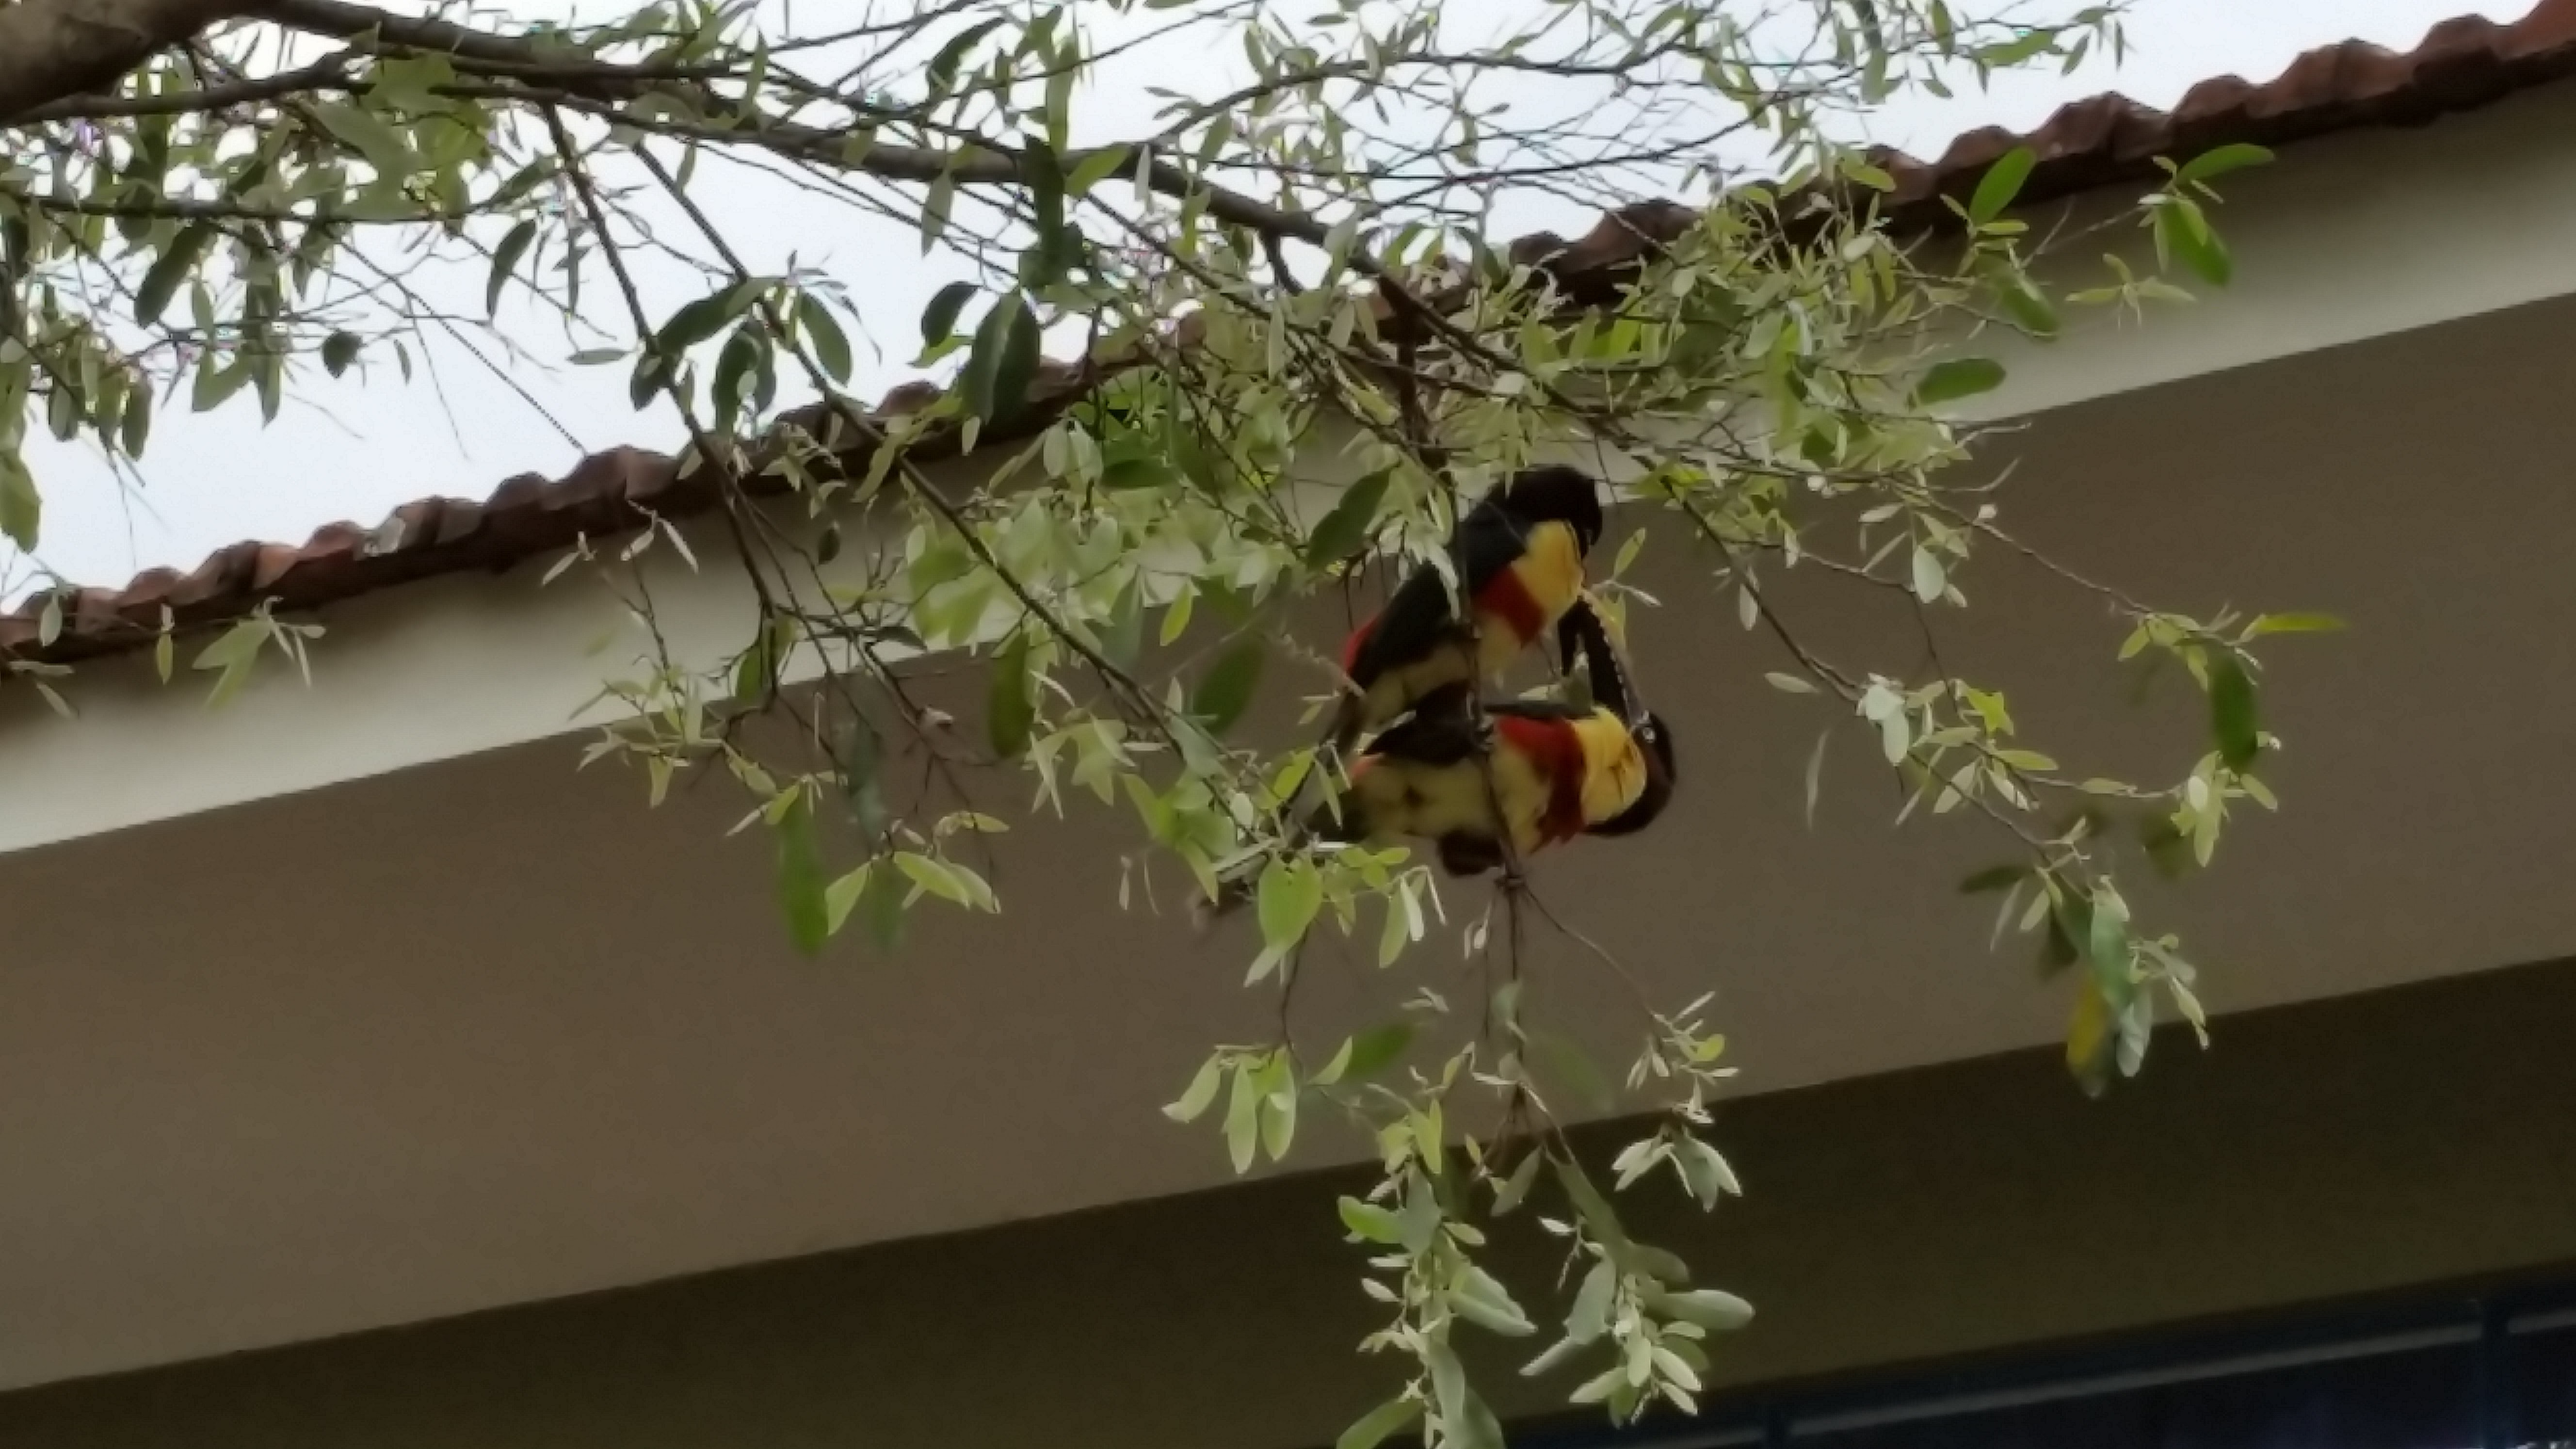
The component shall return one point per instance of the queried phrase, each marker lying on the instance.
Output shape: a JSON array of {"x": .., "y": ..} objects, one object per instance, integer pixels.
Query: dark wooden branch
[{"x": 50, "y": 49}]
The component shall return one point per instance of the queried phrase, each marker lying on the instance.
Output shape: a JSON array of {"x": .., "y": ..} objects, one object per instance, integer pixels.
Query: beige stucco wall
[
  {"x": 483, "y": 1031},
  {"x": 490, "y": 1032},
  {"x": 2419, "y": 1136}
]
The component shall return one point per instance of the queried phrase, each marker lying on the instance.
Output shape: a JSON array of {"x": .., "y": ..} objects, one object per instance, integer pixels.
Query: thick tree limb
[
  {"x": 50, "y": 49},
  {"x": 553, "y": 59},
  {"x": 584, "y": 80}
]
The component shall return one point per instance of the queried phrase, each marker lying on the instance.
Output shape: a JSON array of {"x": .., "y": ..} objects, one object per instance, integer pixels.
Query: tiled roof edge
[{"x": 2461, "y": 64}]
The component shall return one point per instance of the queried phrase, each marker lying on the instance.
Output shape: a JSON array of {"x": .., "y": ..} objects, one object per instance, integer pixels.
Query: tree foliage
[{"x": 1297, "y": 262}]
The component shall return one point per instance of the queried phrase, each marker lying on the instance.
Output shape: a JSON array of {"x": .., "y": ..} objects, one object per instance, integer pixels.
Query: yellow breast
[{"x": 1614, "y": 773}]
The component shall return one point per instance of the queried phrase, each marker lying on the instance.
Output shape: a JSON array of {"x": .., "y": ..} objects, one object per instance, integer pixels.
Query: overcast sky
[{"x": 354, "y": 450}]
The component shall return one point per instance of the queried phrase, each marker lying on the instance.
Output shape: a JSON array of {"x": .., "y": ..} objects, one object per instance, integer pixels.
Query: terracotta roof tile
[{"x": 2105, "y": 140}]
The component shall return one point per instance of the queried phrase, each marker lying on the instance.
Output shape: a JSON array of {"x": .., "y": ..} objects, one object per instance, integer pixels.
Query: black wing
[
  {"x": 1441, "y": 732},
  {"x": 1418, "y": 615}
]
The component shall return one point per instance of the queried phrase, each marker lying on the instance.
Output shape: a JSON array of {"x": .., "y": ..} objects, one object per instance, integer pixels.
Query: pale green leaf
[
  {"x": 801, "y": 888},
  {"x": 1201, "y": 1093},
  {"x": 1379, "y": 1424},
  {"x": 1226, "y": 690}
]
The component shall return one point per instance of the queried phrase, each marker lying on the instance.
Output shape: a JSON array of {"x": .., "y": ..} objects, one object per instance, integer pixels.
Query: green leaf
[
  {"x": 1013, "y": 709},
  {"x": 2002, "y": 182},
  {"x": 1706, "y": 1172},
  {"x": 2292, "y": 624},
  {"x": 1376, "y": 1049},
  {"x": 135, "y": 428},
  {"x": 1591, "y": 1206},
  {"x": 505, "y": 261},
  {"x": 2106, "y": 945},
  {"x": 1930, "y": 579},
  {"x": 933, "y": 877},
  {"x": 1993, "y": 878},
  {"x": 881, "y": 909},
  {"x": 237, "y": 645},
  {"x": 757, "y": 666},
  {"x": 2185, "y": 231},
  {"x": 2029, "y": 306},
  {"x": 843, "y": 894},
  {"x": 1094, "y": 168},
  {"x": 1130, "y": 473},
  {"x": 1589, "y": 1318},
  {"x": 2232, "y": 714},
  {"x": 1122, "y": 634},
  {"x": 1557, "y": 1356},
  {"x": 1369, "y": 1222},
  {"x": 801, "y": 886},
  {"x": 1477, "y": 1426},
  {"x": 704, "y": 318},
  {"x": 1242, "y": 1121},
  {"x": 228, "y": 684},
  {"x": 823, "y": 330},
  {"x": 1512, "y": 1189},
  {"x": 1201, "y": 1093},
  {"x": 1482, "y": 1300},
  {"x": 1377, "y": 1425},
  {"x": 652, "y": 372},
  {"x": 367, "y": 134},
  {"x": 1856, "y": 169},
  {"x": 1226, "y": 691},
  {"x": 338, "y": 351},
  {"x": 22, "y": 508},
  {"x": 735, "y": 369},
  {"x": 161, "y": 283},
  {"x": 2220, "y": 160},
  {"x": 939, "y": 319},
  {"x": 1448, "y": 1382},
  {"x": 935, "y": 209},
  {"x": 268, "y": 372},
  {"x": 1290, "y": 894},
  {"x": 1059, "y": 96},
  {"x": 1046, "y": 259},
  {"x": 1958, "y": 377},
  {"x": 943, "y": 66},
  {"x": 1710, "y": 1309},
  {"x": 1278, "y": 1083},
  {"x": 1340, "y": 533},
  {"x": 1001, "y": 361},
  {"x": 1816, "y": 775}
]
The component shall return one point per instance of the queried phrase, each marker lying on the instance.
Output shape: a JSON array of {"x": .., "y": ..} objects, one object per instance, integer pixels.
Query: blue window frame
[{"x": 2492, "y": 1373}]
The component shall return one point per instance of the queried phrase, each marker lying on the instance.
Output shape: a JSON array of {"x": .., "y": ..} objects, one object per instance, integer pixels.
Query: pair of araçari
[{"x": 1535, "y": 772}]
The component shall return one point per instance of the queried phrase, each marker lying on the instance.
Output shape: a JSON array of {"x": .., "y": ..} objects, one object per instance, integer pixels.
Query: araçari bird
[
  {"x": 1520, "y": 556},
  {"x": 1558, "y": 770}
]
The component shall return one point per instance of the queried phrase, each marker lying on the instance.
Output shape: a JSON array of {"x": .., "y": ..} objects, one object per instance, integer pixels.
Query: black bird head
[
  {"x": 1660, "y": 779},
  {"x": 1556, "y": 494}
]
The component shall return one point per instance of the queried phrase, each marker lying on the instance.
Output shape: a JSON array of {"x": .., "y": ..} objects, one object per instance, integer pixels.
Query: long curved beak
[{"x": 1585, "y": 631}]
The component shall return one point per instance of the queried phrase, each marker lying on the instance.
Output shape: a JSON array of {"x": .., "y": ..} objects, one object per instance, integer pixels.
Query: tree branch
[
  {"x": 987, "y": 163},
  {"x": 50, "y": 49}
]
